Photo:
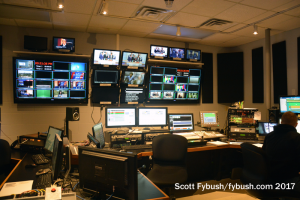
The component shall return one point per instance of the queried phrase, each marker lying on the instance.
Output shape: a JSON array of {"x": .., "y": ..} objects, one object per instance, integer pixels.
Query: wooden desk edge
[{"x": 15, "y": 161}]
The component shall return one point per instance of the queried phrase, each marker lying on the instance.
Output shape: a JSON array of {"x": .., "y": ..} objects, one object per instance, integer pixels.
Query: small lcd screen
[
  {"x": 106, "y": 76},
  {"x": 193, "y": 54},
  {"x": 152, "y": 116},
  {"x": 176, "y": 53},
  {"x": 159, "y": 51},
  {"x": 134, "y": 59},
  {"x": 105, "y": 94},
  {"x": 135, "y": 78},
  {"x": 51, "y": 136},
  {"x": 131, "y": 95},
  {"x": 291, "y": 103},
  {"x": 119, "y": 117},
  {"x": 106, "y": 57},
  {"x": 181, "y": 122},
  {"x": 265, "y": 127},
  {"x": 60, "y": 43}
]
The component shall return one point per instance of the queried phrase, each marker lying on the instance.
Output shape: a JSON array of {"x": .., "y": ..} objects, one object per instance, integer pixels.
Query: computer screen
[
  {"x": 106, "y": 57},
  {"x": 98, "y": 134},
  {"x": 265, "y": 127},
  {"x": 62, "y": 43},
  {"x": 176, "y": 53},
  {"x": 120, "y": 117},
  {"x": 181, "y": 122},
  {"x": 297, "y": 127},
  {"x": 133, "y": 78},
  {"x": 193, "y": 55},
  {"x": 289, "y": 103},
  {"x": 152, "y": 116},
  {"x": 57, "y": 156},
  {"x": 132, "y": 95},
  {"x": 93, "y": 141},
  {"x": 158, "y": 51},
  {"x": 106, "y": 77},
  {"x": 51, "y": 137},
  {"x": 105, "y": 95},
  {"x": 209, "y": 118},
  {"x": 134, "y": 59}
]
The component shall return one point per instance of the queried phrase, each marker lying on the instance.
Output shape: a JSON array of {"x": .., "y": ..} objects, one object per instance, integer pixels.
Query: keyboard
[
  {"x": 44, "y": 181},
  {"x": 133, "y": 147},
  {"x": 40, "y": 159},
  {"x": 251, "y": 141}
]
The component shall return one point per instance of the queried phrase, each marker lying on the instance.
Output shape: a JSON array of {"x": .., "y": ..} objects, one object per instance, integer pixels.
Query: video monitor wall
[
  {"x": 174, "y": 85},
  {"x": 44, "y": 81}
]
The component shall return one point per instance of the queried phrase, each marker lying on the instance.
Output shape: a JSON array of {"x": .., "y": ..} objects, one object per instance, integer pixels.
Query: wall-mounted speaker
[
  {"x": 72, "y": 113},
  {"x": 273, "y": 115}
]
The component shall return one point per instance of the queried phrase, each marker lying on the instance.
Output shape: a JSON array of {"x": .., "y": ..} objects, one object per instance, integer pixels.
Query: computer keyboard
[
  {"x": 251, "y": 141},
  {"x": 133, "y": 147},
  {"x": 40, "y": 159},
  {"x": 44, "y": 181}
]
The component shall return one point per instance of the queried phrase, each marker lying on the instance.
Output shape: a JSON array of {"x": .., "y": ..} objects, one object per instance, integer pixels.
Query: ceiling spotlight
[
  {"x": 60, "y": 4},
  {"x": 255, "y": 30},
  {"x": 169, "y": 3},
  {"x": 105, "y": 7},
  {"x": 178, "y": 33}
]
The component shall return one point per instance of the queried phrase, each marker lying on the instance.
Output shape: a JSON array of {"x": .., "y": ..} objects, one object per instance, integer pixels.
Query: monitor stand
[{"x": 207, "y": 128}]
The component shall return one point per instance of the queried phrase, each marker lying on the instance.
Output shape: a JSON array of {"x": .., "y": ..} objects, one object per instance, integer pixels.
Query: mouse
[{"x": 30, "y": 166}]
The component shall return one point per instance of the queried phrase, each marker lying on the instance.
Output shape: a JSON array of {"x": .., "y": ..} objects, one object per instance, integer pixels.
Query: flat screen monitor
[
  {"x": 132, "y": 95},
  {"x": 106, "y": 58},
  {"x": 177, "y": 53},
  {"x": 93, "y": 141},
  {"x": 34, "y": 43},
  {"x": 289, "y": 103},
  {"x": 193, "y": 55},
  {"x": 297, "y": 128},
  {"x": 106, "y": 77},
  {"x": 52, "y": 131},
  {"x": 174, "y": 85},
  {"x": 134, "y": 60},
  {"x": 209, "y": 118},
  {"x": 183, "y": 122},
  {"x": 120, "y": 117},
  {"x": 50, "y": 81},
  {"x": 160, "y": 52},
  {"x": 57, "y": 157},
  {"x": 107, "y": 170},
  {"x": 105, "y": 95},
  {"x": 63, "y": 44},
  {"x": 264, "y": 128},
  {"x": 133, "y": 78},
  {"x": 153, "y": 116},
  {"x": 98, "y": 134}
]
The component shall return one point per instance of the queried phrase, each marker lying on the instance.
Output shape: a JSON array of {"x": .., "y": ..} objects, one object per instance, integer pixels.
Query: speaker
[
  {"x": 72, "y": 113},
  {"x": 273, "y": 115}
]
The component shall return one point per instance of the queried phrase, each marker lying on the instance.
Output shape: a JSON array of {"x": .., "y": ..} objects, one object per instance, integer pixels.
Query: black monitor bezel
[
  {"x": 101, "y": 66},
  {"x": 123, "y": 91},
  {"x": 128, "y": 67},
  {"x": 287, "y": 96},
  {"x": 193, "y": 50},
  {"x": 59, "y": 158},
  {"x": 62, "y": 134},
  {"x": 136, "y": 121},
  {"x": 161, "y": 56},
  {"x": 122, "y": 84},
  {"x": 54, "y": 49},
  {"x": 38, "y": 50},
  {"x": 105, "y": 84},
  {"x": 141, "y": 108},
  {"x": 171, "y": 58},
  {"x": 101, "y": 146},
  {"x": 111, "y": 103},
  {"x": 181, "y": 130},
  {"x": 96, "y": 142}
]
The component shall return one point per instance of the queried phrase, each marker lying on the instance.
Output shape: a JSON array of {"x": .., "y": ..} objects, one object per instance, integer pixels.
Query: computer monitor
[
  {"x": 106, "y": 77},
  {"x": 289, "y": 103},
  {"x": 297, "y": 127},
  {"x": 105, "y": 95},
  {"x": 134, "y": 60},
  {"x": 264, "y": 128},
  {"x": 98, "y": 134},
  {"x": 35, "y": 43},
  {"x": 108, "y": 172},
  {"x": 154, "y": 116},
  {"x": 160, "y": 52},
  {"x": 120, "y": 117},
  {"x": 106, "y": 58},
  {"x": 63, "y": 44},
  {"x": 209, "y": 118},
  {"x": 132, "y": 95},
  {"x": 57, "y": 157},
  {"x": 52, "y": 131},
  {"x": 133, "y": 78},
  {"x": 181, "y": 122},
  {"x": 93, "y": 141},
  {"x": 193, "y": 55},
  {"x": 176, "y": 53}
]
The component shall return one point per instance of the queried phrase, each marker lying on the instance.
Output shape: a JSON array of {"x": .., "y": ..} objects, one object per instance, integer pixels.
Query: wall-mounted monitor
[
  {"x": 63, "y": 44},
  {"x": 134, "y": 60},
  {"x": 193, "y": 55},
  {"x": 105, "y": 95},
  {"x": 120, "y": 117},
  {"x": 50, "y": 81},
  {"x": 173, "y": 85},
  {"x": 159, "y": 52},
  {"x": 132, "y": 95},
  {"x": 106, "y": 58},
  {"x": 152, "y": 116},
  {"x": 176, "y": 53},
  {"x": 133, "y": 78},
  {"x": 289, "y": 103},
  {"x": 105, "y": 77},
  {"x": 34, "y": 43}
]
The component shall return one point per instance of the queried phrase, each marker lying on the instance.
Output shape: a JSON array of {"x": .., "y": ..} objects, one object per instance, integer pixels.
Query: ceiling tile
[
  {"x": 240, "y": 13},
  {"x": 259, "y": 17},
  {"x": 275, "y": 20},
  {"x": 248, "y": 32},
  {"x": 79, "y": 6},
  {"x": 69, "y": 28},
  {"x": 207, "y": 8},
  {"x": 132, "y": 25},
  {"x": 185, "y": 39},
  {"x": 234, "y": 0},
  {"x": 107, "y": 22},
  {"x": 187, "y": 19},
  {"x": 219, "y": 37},
  {"x": 219, "y": 27},
  {"x": 133, "y": 33},
  {"x": 102, "y": 30},
  {"x": 121, "y": 9},
  {"x": 33, "y": 24},
  {"x": 160, "y": 36},
  {"x": 9, "y": 22},
  {"x": 265, "y": 4},
  {"x": 70, "y": 19},
  {"x": 293, "y": 12},
  {"x": 177, "y": 5},
  {"x": 239, "y": 41},
  {"x": 130, "y": 1},
  {"x": 287, "y": 25}
]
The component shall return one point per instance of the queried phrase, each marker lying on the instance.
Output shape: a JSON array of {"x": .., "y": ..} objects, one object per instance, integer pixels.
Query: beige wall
[{"x": 19, "y": 119}]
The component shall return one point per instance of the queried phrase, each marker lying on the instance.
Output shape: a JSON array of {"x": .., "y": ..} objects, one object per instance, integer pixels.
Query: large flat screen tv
[
  {"x": 174, "y": 85},
  {"x": 50, "y": 81},
  {"x": 106, "y": 58},
  {"x": 134, "y": 60}
]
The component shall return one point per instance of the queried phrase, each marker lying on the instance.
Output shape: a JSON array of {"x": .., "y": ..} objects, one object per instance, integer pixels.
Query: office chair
[
  {"x": 5, "y": 154},
  {"x": 255, "y": 172},
  {"x": 169, "y": 156}
]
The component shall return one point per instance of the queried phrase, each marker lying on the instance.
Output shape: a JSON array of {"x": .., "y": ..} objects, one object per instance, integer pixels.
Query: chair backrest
[
  {"x": 5, "y": 152},
  {"x": 169, "y": 149}
]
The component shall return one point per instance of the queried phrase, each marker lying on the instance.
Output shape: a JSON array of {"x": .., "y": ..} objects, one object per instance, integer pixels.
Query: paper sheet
[
  {"x": 258, "y": 145},
  {"x": 15, "y": 187},
  {"x": 257, "y": 115}
]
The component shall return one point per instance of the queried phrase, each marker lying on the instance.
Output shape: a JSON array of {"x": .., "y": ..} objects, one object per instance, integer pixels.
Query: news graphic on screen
[
  {"x": 158, "y": 51},
  {"x": 134, "y": 59},
  {"x": 265, "y": 127},
  {"x": 106, "y": 57},
  {"x": 63, "y": 44},
  {"x": 193, "y": 55},
  {"x": 289, "y": 103},
  {"x": 49, "y": 81},
  {"x": 132, "y": 95},
  {"x": 120, "y": 117},
  {"x": 168, "y": 84},
  {"x": 176, "y": 53},
  {"x": 181, "y": 122},
  {"x": 133, "y": 78},
  {"x": 152, "y": 116},
  {"x": 106, "y": 77}
]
